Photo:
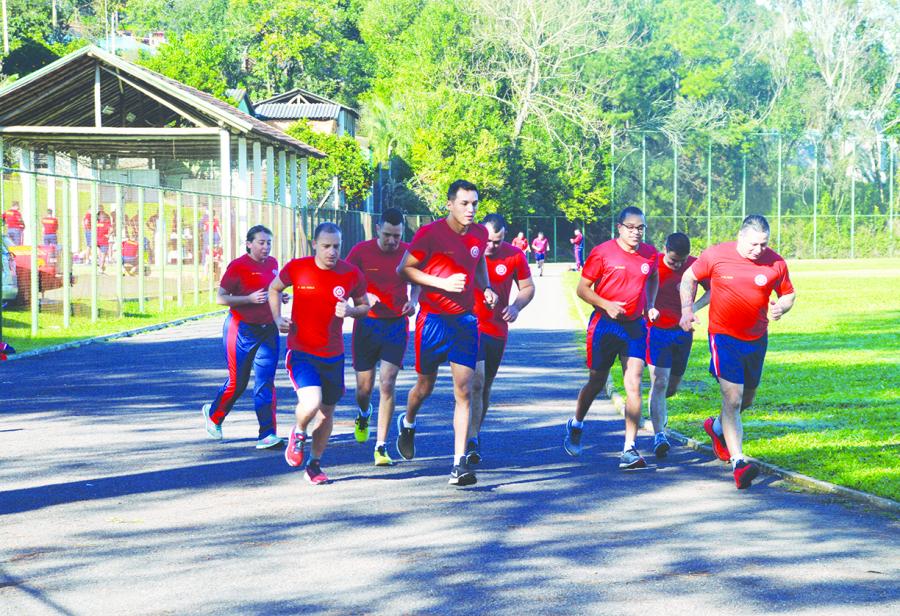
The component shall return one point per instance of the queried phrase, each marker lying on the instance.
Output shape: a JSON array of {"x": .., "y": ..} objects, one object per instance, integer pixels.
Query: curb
[
  {"x": 106, "y": 338},
  {"x": 804, "y": 481}
]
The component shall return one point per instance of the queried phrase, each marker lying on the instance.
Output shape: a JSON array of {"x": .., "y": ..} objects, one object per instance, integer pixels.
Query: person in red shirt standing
[
  {"x": 130, "y": 255},
  {"x": 521, "y": 242},
  {"x": 15, "y": 224},
  {"x": 51, "y": 226},
  {"x": 315, "y": 359},
  {"x": 539, "y": 246},
  {"x": 620, "y": 281},
  {"x": 104, "y": 227},
  {"x": 742, "y": 276},
  {"x": 250, "y": 338},
  {"x": 446, "y": 258},
  {"x": 578, "y": 249},
  {"x": 668, "y": 346},
  {"x": 382, "y": 334},
  {"x": 505, "y": 264}
]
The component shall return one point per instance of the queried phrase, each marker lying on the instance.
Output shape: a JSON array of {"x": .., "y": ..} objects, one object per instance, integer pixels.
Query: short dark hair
[
  {"x": 628, "y": 211},
  {"x": 495, "y": 221},
  {"x": 325, "y": 227},
  {"x": 252, "y": 231},
  {"x": 392, "y": 216},
  {"x": 679, "y": 243},
  {"x": 757, "y": 222},
  {"x": 457, "y": 186}
]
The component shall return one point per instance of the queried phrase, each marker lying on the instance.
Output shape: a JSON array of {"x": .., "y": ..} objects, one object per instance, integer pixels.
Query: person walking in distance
[
  {"x": 577, "y": 242},
  {"x": 50, "y": 225},
  {"x": 742, "y": 276},
  {"x": 381, "y": 335},
  {"x": 15, "y": 224},
  {"x": 521, "y": 242},
  {"x": 539, "y": 246}
]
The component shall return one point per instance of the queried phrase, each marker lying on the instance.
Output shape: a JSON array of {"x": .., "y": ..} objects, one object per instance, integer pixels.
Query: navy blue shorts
[
  {"x": 490, "y": 351},
  {"x": 443, "y": 337},
  {"x": 308, "y": 370},
  {"x": 375, "y": 339},
  {"x": 539, "y": 256},
  {"x": 669, "y": 348},
  {"x": 608, "y": 338},
  {"x": 735, "y": 360}
]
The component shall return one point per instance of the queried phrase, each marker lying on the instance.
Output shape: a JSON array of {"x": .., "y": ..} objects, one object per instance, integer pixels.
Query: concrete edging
[
  {"x": 125, "y": 334},
  {"x": 810, "y": 483}
]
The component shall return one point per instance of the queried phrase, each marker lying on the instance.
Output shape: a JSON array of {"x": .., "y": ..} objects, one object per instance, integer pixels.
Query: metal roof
[
  {"x": 292, "y": 111},
  {"x": 298, "y": 96}
]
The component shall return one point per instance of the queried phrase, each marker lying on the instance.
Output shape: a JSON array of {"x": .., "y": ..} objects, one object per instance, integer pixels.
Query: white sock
[
  {"x": 380, "y": 444},
  {"x": 717, "y": 427},
  {"x": 406, "y": 424},
  {"x": 735, "y": 460},
  {"x": 577, "y": 424},
  {"x": 628, "y": 445}
]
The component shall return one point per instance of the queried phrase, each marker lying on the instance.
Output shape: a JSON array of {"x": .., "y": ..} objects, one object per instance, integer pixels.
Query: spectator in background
[
  {"x": 578, "y": 249},
  {"x": 51, "y": 225},
  {"x": 130, "y": 256},
  {"x": 15, "y": 224},
  {"x": 103, "y": 230}
]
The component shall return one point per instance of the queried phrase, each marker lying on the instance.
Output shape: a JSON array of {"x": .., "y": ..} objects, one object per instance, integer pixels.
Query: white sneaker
[
  {"x": 212, "y": 428},
  {"x": 269, "y": 442}
]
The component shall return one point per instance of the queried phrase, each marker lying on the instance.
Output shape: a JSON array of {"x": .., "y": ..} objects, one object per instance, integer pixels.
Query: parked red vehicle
[{"x": 50, "y": 276}]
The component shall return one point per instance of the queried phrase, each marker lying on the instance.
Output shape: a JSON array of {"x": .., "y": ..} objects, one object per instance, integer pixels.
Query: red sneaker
[
  {"x": 718, "y": 442},
  {"x": 314, "y": 474},
  {"x": 293, "y": 455},
  {"x": 744, "y": 474}
]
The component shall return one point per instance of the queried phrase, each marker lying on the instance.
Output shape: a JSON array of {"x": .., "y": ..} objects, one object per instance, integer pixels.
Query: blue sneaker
[
  {"x": 406, "y": 444},
  {"x": 572, "y": 442},
  {"x": 661, "y": 445},
  {"x": 473, "y": 452},
  {"x": 212, "y": 428},
  {"x": 631, "y": 459}
]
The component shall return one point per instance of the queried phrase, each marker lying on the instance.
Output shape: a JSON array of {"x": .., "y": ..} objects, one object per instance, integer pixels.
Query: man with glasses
[{"x": 619, "y": 281}]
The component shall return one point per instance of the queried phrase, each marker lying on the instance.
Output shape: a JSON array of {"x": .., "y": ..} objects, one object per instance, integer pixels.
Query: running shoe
[
  {"x": 314, "y": 473},
  {"x": 212, "y": 428},
  {"x": 744, "y": 474},
  {"x": 382, "y": 458},
  {"x": 269, "y": 441},
  {"x": 461, "y": 474},
  {"x": 661, "y": 445},
  {"x": 361, "y": 426},
  {"x": 631, "y": 459},
  {"x": 293, "y": 454},
  {"x": 572, "y": 442},
  {"x": 718, "y": 442},
  {"x": 473, "y": 455},
  {"x": 406, "y": 443}
]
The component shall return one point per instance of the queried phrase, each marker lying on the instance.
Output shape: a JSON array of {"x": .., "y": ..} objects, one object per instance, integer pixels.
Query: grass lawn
[
  {"x": 17, "y": 323},
  {"x": 829, "y": 402}
]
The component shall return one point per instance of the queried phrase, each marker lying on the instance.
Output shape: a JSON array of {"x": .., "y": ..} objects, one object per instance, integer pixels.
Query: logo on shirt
[
  {"x": 645, "y": 268},
  {"x": 274, "y": 272},
  {"x": 474, "y": 251},
  {"x": 760, "y": 280},
  {"x": 500, "y": 269},
  {"x": 339, "y": 292}
]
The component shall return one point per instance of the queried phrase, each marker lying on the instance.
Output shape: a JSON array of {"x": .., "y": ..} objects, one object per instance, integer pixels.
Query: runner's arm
[
  {"x": 651, "y": 289},
  {"x": 585, "y": 291},
  {"x": 224, "y": 298},
  {"x": 688, "y": 291},
  {"x": 409, "y": 271},
  {"x": 782, "y": 305},
  {"x": 275, "y": 289}
]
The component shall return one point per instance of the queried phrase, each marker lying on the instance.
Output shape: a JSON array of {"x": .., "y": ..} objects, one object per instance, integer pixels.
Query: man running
[
  {"x": 384, "y": 332},
  {"x": 669, "y": 346},
  {"x": 539, "y": 246},
  {"x": 577, "y": 242},
  {"x": 742, "y": 276},
  {"x": 315, "y": 358},
  {"x": 505, "y": 264},
  {"x": 446, "y": 258},
  {"x": 51, "y": 225},
  {"x": 620, "y": 281},
  {"x": 521, "y": 242}
]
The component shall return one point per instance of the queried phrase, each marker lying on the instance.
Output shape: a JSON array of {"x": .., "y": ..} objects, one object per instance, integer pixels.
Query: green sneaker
[
  {"x": 381, "y": 457},
  {"x": 361, "y": 426}
]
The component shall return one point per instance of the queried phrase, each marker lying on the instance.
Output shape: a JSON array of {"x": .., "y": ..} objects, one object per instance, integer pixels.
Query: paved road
[{"x": 114, "y": 501}]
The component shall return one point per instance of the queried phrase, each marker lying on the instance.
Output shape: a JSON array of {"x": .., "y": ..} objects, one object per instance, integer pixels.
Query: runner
[
  {"x": 250, "y": 338},
  {"x": 668, "y": 346},
  {"x": 578, "y": 249},
  {"x": 50, "y": 224},
  {"x": 505, "y": 264},
  {"x": 315, "y": 358},
  {"x": 742, "y": 276},
  {"x": 446, "y": 258},
  {"x": 521, "y": 242},
  {"x": 383, "y": 333},
  {"x": 15, "y": 224},
  {"x": 539, "y": 246},
  {"x": 619, "y": 280}
]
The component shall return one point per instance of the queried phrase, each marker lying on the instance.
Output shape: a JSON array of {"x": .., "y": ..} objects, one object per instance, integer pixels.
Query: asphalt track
[{"x": 114, "y": 501}]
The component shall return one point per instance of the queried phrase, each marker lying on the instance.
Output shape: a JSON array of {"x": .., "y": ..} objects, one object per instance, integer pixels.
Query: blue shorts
[
  {"x": 735, "y": 360},
  {"x": 50, "y": 238},
  {"x": 608, "y": 338},
  {"x": 490, "y": 351},
  {"x": 443, "y": 337},
  {"x": 669, "y": 348},
  {"x": 308, "y": 370},
  {"x": 375, "y": 339},
  {"x": 539, "y": 256}
]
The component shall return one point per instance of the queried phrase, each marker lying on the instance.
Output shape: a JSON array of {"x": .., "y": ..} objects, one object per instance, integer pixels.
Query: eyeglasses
[{"x": 638, "y": 228}]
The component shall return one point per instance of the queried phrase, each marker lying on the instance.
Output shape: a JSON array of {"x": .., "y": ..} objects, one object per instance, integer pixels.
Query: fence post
[
  {"x": 30, "y": 210},
  {"x": 65, "y": 235},
  {"x": 120, "y": 214},
  {"x": 815, "y": 199},
  {"x": 674, "y": 187},
  {"x": 210, "y": 252},
  {"x": 644, "y": 172},
  {"x": 709, "y": 194},
  {"x": 853, "y": 212},
  {"x": 744, "y": 185},
  {"x": 162, "y": 245},
  {"x": 556, "y": 242},
  {"x": 95, "y": 249},
  {"x": 179, "y": 250},
  {"x": 195, "y": 201},
  {"x": 891, "y": 149},
  {"x": 141, "y": 255},
  {"x": 778, "y": 218},
  {"x": 612, "y": 182}
]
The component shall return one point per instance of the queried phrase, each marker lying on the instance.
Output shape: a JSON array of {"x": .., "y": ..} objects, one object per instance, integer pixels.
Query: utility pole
[{"x": 5, "y": 31}]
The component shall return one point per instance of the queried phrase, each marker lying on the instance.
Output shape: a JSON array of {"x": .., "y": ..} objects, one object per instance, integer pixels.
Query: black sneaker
[
  {"x": 461, "y": 475},
  {"x": 473, "y": 455},
  {"x": 631, "y": 459},
  {"x": 406, "y": 443},
  {"x": 661, "y": 445}
]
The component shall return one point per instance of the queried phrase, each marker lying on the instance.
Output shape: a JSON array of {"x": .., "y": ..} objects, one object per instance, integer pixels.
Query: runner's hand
[
  {"x": 258, "y": 297},
  {"x": 776, "y": 311},
  {"x": 340, "y": 309},
  {"x": 455, "y": 283},
  {"x": 373, "y": 299},
  {"x": 510, "y": 313},
  {"x": 687, "y": 321},
  {"x": 490, "y": 298},
  {"x": 615, "y": 309},
  {"x": 652, "y": 314},
  {"x": 285, "y": 298},
  {"x": 284, "y": 325},
  {"x": 409, "y": 309}
]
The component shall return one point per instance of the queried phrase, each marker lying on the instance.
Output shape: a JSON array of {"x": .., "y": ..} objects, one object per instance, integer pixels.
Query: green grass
[
  {"x": 829, "y": 402},
  {"x": 17, "y": 323}
]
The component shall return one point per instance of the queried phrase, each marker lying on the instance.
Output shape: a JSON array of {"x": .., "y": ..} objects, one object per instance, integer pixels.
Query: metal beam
[{"x": 187, "y": 116}]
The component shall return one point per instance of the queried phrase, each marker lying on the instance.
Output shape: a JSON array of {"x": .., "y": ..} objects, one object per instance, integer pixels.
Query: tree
[{"x": 199, "y": 60}]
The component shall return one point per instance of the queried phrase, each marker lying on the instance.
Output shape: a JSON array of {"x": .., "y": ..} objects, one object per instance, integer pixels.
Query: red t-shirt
[
  {"x": 103, "y": 229},
  {"x": 578, "y": 239},
  {"x": 51, "y": 224},
  {"x": 520, "y": 243},
  {"x": 540, "y": 244},
  {"x": 443, "y": 252},
  {"x": 668, "y": 298},
  {"x": 13, "y": 219},
  {"x": 507, "y": 264},
  {"x": 244, "y": 276},
  {"x": 741, "y": 288},
  {"x": 129, "y": 248},
  {"x": 316, "y": 329},
  {"x": 86, "y": 222},
  {"x": 621, "y": 276},
  {"x": 382, "y": 279}
]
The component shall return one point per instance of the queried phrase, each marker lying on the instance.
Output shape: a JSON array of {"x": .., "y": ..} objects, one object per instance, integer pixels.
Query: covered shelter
[{"x": 324, "y": 115}]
